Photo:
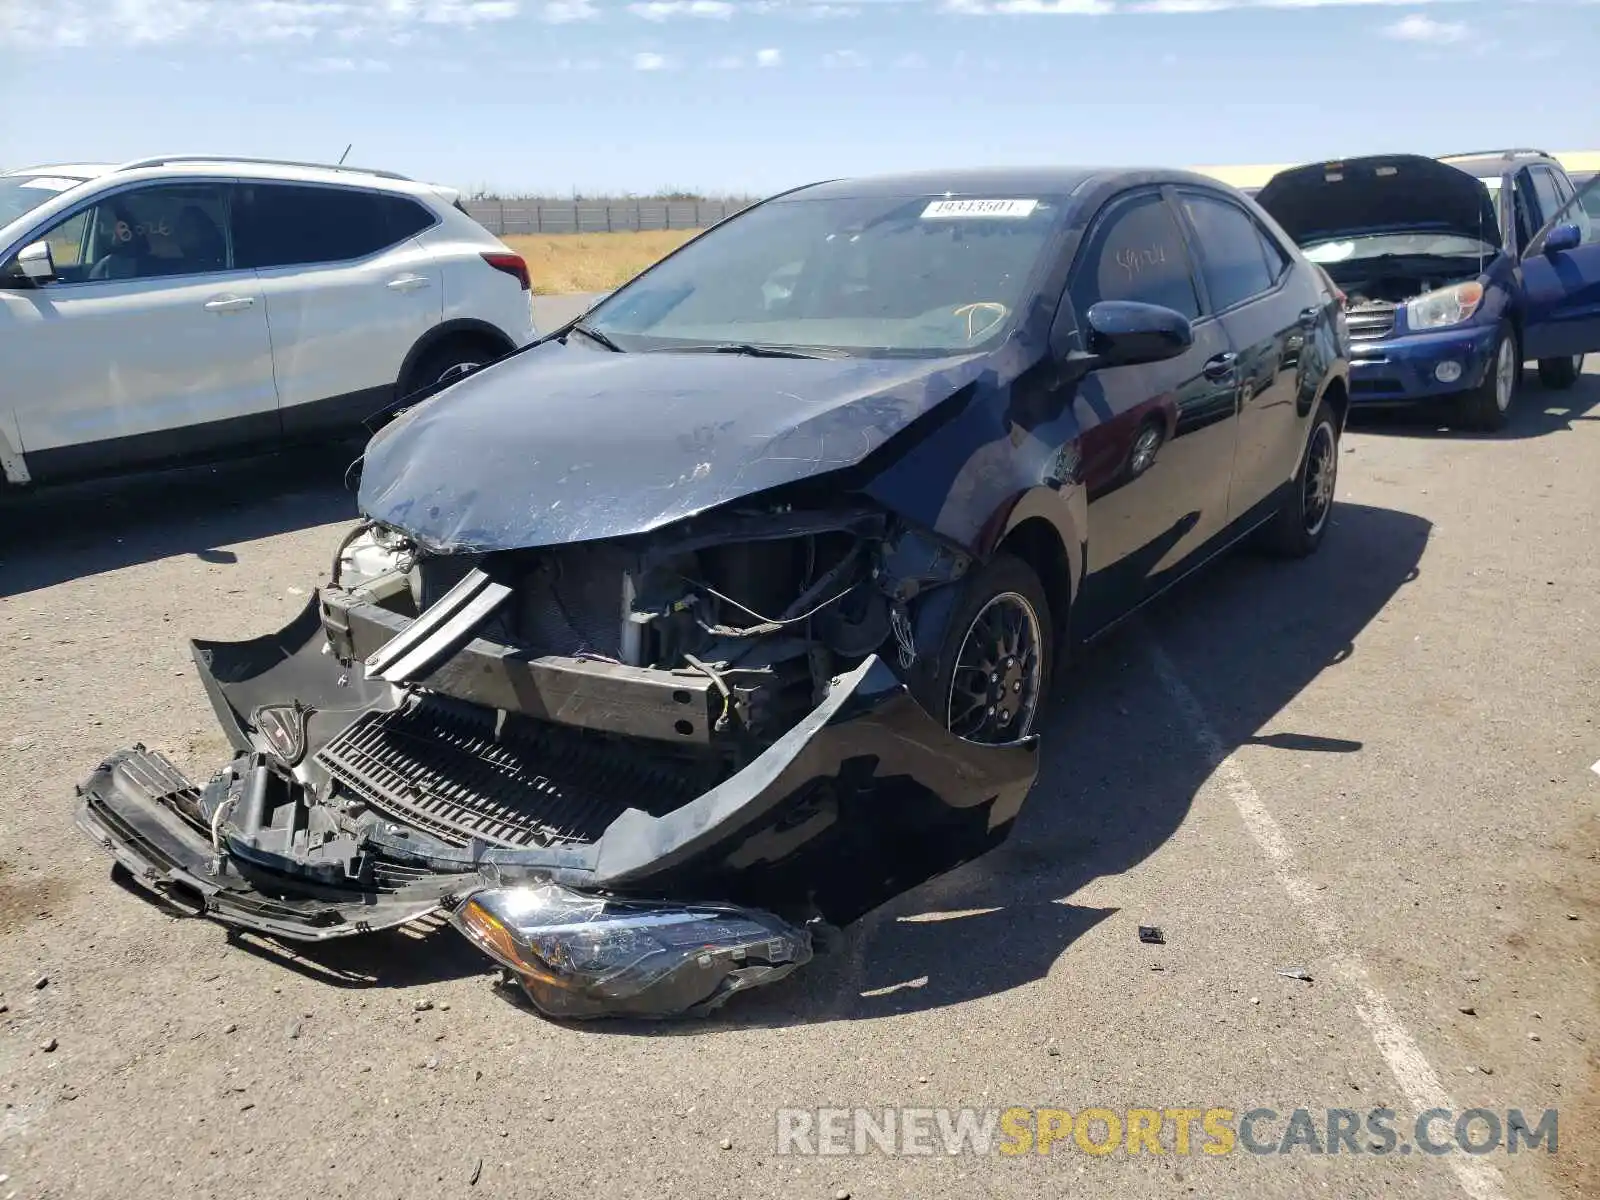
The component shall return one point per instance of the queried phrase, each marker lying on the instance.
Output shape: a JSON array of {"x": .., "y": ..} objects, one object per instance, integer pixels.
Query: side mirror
[
  {"x": 1121, "y": 333},
  {"x": 1562, "y": 238},
  {"x": 36, "y": 262}
]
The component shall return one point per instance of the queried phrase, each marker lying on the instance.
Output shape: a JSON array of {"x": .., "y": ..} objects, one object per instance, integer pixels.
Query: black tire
[
  {"x": 1005, "y": 590},
  {"x": 1558, "y": 374},
  {"x": 1487, "y": 407},
  {"x": 453, "y": 357},
  {"x": 1306, "y": 510}
]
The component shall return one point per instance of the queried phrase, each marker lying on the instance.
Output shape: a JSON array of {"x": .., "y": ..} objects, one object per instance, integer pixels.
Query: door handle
[
  {"x": 1309, "y": 316},
  {"x": 1221, "y": 367},
  {"x": 227, "y": 304},
  {"x": 407, "y": 283}
]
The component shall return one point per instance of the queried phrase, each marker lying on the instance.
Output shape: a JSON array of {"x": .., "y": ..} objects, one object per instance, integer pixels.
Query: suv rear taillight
[{"x": 511, "y": 264}]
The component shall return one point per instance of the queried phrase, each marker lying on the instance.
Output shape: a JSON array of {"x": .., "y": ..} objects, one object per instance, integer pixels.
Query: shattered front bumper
[
  {"x": 141, "y": 809},
  {"x": 862, "y": 799}
]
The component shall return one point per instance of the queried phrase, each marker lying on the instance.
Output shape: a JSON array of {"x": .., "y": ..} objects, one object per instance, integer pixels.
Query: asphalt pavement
[
  {"x": 551, "y": 311},
  {"x": 1371, "y": 769}
]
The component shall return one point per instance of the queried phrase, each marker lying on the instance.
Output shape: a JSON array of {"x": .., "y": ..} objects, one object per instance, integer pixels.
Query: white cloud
[
  {"x": 1416, "y": 27},
  {"x": 663, "y": 10},
  {"x": 910, "y": 62},
  {"x": 153, "y": 22},
  {"x": 1075, "y": 8},
  {"x": 1182, "y": 6},
  {"x": 564, "y": 12},
  {"x": 844, "y": 59},
  {"x": 769, "y": 57},
  {"x": 807, "y": 10},
  {"x": 336, "y": 66},
  {"x": 649, "y": 61}
]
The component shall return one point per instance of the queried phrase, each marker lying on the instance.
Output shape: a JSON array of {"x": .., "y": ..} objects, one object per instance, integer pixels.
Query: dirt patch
[
  {"x": 26, "y": 899},
  {"x": 559, "y": 263}
]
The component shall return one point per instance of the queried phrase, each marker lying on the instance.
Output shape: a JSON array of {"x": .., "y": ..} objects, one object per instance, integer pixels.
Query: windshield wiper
[
  {"x": 594, "y": 335},
  {"x": 756, "y": 350}
]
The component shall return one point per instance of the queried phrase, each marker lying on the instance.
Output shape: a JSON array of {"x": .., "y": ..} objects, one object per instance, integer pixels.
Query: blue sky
[{"x": 757, "y": 95}]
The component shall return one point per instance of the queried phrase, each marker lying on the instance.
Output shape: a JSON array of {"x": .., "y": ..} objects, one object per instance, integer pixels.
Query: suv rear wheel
[
  {"x": 448, "y": 361},
  {"x": 1558, "y": 374}
]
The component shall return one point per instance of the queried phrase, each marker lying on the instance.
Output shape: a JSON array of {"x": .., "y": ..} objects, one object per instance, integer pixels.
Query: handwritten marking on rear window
[
  {"x": 979, "y": 208},
  {"x": 123, "y": 232},
  {"x": 1135, "y": 260}
]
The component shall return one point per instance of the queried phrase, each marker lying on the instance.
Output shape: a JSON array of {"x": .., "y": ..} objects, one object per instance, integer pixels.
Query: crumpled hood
[
  {"x": 567, "y": 444},
  {"x": 1383, "y": 193}
]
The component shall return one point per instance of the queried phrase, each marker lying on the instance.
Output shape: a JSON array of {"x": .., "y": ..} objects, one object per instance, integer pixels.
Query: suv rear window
[{"x": 284, "y": 225}]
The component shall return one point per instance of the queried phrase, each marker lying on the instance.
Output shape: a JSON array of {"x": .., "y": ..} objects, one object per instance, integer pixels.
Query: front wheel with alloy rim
[
  {"x": 1488, "y": 406},
  {"x": 1558, "y": 374},
  {"x": 1306, "y": 507},
  {"x": 993, "y": 666}
]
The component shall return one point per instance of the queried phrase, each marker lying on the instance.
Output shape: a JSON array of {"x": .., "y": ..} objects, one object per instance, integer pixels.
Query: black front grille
[
  {"x": 1369, "y": 324},
  {"x": 443, "y": 769}
]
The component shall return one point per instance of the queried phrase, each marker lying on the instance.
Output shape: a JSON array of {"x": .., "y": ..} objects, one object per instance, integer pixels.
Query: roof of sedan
[{"x": 990, "y": 181}]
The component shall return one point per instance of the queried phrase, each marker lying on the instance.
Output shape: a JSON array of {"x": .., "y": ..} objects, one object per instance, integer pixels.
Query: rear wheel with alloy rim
[
  {"x": 446, "y": 363},
  {"x": 992, "y": 670},
  {"x": 1558, "y": 374},
  {"x": 1487, "y": 406},
  {"x": 1306, "y": 507}
]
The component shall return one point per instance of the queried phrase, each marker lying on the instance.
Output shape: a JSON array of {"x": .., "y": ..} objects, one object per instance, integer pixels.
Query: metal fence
[{"x": 597, "y": 216}]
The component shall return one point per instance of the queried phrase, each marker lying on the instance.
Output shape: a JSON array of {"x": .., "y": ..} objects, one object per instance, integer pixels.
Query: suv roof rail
[
  {"x": 1516, "y": 152},
  {"x": 162, "y": 160}
]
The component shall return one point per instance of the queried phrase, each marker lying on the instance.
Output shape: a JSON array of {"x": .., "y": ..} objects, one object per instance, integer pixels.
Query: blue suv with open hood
[{"x": 1456, "y": 271}]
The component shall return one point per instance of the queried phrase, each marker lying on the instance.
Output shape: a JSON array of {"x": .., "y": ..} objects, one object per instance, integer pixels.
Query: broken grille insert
[{"x": 444, "y": 770}]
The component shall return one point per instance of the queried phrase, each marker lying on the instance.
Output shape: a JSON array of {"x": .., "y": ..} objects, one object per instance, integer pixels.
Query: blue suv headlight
[{"x": 1445, "y": 307}]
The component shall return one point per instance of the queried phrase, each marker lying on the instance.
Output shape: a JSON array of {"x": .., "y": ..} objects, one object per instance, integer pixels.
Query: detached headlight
[
  {"x": 1445, "y": 307},
  {"x": 582, "y": 956}
]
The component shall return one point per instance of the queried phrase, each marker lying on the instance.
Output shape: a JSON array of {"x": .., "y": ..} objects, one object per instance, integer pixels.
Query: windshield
[
  {"x": 20, "y": 193},
  {"x": 856, "y": 275},
  {"x": 1407, "y": 245}
]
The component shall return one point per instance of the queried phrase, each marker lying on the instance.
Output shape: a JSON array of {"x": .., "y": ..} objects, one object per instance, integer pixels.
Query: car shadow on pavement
[
  {"x": 70, "y": 531},
  {"x": 1537, "y": 411}
]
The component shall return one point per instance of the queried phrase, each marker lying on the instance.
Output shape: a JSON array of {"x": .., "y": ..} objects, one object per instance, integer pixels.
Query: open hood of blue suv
[{"x": 1387, "y": 193}]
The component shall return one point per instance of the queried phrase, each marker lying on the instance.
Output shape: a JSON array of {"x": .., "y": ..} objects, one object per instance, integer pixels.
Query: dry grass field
[{"x": 591, "y": 262}]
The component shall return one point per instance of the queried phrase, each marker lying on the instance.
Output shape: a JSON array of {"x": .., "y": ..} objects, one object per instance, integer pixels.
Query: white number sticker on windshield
[{"x": 979, "y": 208}]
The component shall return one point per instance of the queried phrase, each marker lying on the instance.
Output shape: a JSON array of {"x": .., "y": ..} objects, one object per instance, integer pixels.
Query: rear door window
[
  {"x": 1277, "y": 259},
  {"x": 285, "y": 225},
  {"x": 1233, "y": 259},
  {"x": 1135, "y": 252}
]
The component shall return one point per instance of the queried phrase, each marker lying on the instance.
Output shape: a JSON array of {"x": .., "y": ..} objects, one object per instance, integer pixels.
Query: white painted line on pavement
[
  {"x": 1411, "y": 1069},
  {"x": 1596, "y": 767}
]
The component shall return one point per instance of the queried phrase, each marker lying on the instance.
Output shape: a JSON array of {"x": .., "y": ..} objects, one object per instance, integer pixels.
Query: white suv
[{"x": 176, "y": 307}]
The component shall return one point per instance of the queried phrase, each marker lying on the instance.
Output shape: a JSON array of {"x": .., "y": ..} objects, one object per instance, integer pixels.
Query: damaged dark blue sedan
[{"x": 726, "y": 612}]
